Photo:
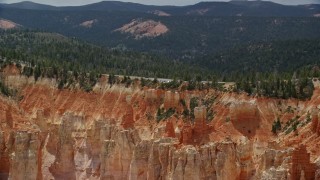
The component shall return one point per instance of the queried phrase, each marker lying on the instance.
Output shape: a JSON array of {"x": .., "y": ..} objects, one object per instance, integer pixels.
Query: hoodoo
[{"x": 126, "y": 91}]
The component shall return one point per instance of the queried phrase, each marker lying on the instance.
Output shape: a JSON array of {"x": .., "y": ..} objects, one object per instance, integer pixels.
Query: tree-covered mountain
[
  {"x": 29, "y": 5},
  {"x": 188, "y": 36},
  {"x": 59, "y": 52},
  {"x": 277, "y": 69},
  {"x": 232, "y": 8},
  {"x": 277, "y": 57}
]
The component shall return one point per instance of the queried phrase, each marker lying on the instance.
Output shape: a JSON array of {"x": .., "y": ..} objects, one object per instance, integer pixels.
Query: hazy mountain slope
[
  {"x": 232, "y": 8},
  {"x": 29, "y": 5},
  {"x": 188, "y": 36}
]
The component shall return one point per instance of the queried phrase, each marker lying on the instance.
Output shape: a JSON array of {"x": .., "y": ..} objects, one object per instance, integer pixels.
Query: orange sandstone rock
[
  {"x": 315, "y": 120},
  {"x": 301, "y": 165},
  {"x": 171, "y": 99},
  {"x": 127, "y": 119},
  {"x": 169, "y": 129}
]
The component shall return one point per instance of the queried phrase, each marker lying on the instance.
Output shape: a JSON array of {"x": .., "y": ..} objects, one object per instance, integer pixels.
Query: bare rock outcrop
[
  {"x": 208, "y": 159},
  {"x": 227, "y": 166},
  {"x": 24, "y": 159},
  {"x": 245, "y": 155},
  {"x": 287, "y": 164},
  {"x": 128, "y": 118},
  {"x": 315, "y": 122},
  {"x": 116, "y": 156},
  {"x": 4, "y": 157},
  {"x": 160, "y": 13},
  {"x": 64, "y": 165},
  {"x": 152, "y": 95},
  {"x": 186, "y": 163},
  {"x": 171, "y": 99},
  {"x": 7, "y": 25},
  {"x": 139, "y": 163},
  {"x": 201, "y": 129},
  {"x": 169, "y": 129},
  {"x": 160, "y": 158},
  {"x": 144, "y": 28},
  {"x": 113, "y": 138},
  {"x": 89, "y": 23},
  {"x": 197, "y": 133},
  {"x": 245, "y": 117}
]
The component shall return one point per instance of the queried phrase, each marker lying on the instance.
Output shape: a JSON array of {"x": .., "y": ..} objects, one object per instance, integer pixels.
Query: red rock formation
[
  {"x": 139, "y": 163},
  {"x": 245, "y": 117},
  {"x": 116, "y": 156},
  {"x": 169, "y": 129},
  {"x": 200, "y": 114},
  {"x": 188, "y": 163},
  {"x": 301, "y": 165},
  {"x": 244, "y": 153},
  {"x": 4, "y": 158},
  {"x": 25, "y": 160},
  {"x": 64, "y": 165},
  {"x": 9, "y": 118},
  {"x": 87, "y": 148},
  {"x": 201, "y": 129},
  {"x": 127, "y": 119},
  {"x": 152, "y": 95},
  {"x": 227, "y": 166},
  {"x": 171, "y": 100},
  {"x": 198, "y": 133},
  {"x": 315, "y": 120},
  {"x": 187, "y": 134}
]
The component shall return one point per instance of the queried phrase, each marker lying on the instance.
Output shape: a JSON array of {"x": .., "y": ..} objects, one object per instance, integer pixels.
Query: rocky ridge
[{"x": 110, "y": 134}]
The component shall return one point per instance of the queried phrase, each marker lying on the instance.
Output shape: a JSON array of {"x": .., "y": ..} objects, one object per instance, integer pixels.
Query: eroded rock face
[
  {"x": 301, "y": 165},
  {"x": 64, "y": 164},
  {"x": 152, "y": 95},
  {"x": 275, "y": 164},
  {"x": 315, "y": 121},
  {"x": 171, "y": 99},
  {"x": 121, "y": 144},
  {"x": 110, "y": 152},
  {"x": 287, "y": 164},
  {"x": 186, "y": 163},
  {"x": 196, "y": 134},
  {"x": 4, "y": 158},
  {"x": 128, "y": 119},
  {"x": 245, "y": 155},
  {"x": 24, "y": 159},
  {"x": 227, "y": 166},
  {"x": 139, "y": 163},
  {"x": 245, "y": 117}
]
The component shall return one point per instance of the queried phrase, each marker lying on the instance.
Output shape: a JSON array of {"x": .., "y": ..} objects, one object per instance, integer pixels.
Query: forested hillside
[
  {"x": 59, "y": 52},
  {"x": 188, "y": 36},
  {"x": 278, "y": 69},
  {"x": 273, "y": 58}
]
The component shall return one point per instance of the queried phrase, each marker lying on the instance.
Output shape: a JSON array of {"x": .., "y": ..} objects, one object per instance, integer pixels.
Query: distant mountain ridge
[
  {"x": 29, "y": 5},
  {"x": 232, "y": 8},
  {"x": 180, "y": 32}
]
